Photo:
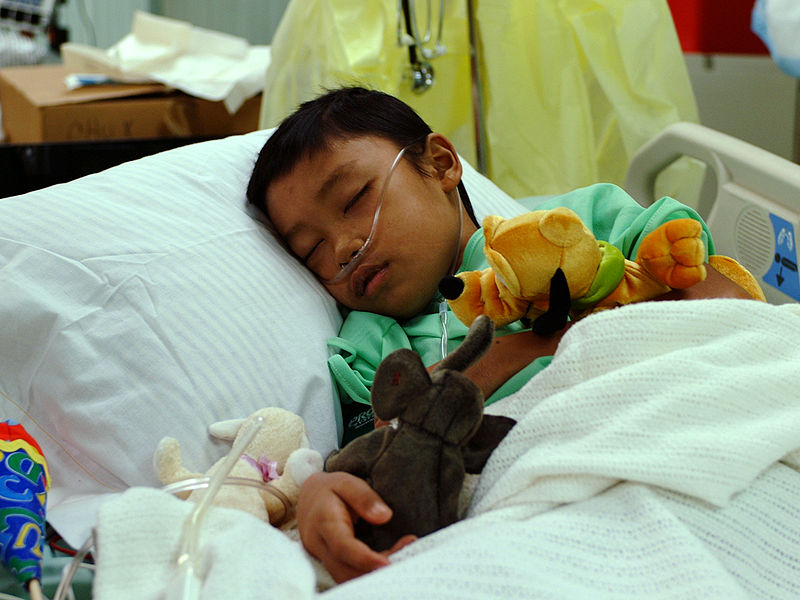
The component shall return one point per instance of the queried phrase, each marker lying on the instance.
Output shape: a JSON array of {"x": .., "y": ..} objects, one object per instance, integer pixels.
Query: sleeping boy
[{"x": 362, "y": 191}]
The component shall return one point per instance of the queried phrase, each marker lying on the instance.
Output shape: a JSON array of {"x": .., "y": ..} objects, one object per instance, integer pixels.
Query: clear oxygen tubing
[
  {"x": 63, "y": 591},
  {"x": 443, "y": 306},
  {"x": 443, "y": 320},
  {"x": 358, "y": 256},
  {"x": 355, "y": 260}
]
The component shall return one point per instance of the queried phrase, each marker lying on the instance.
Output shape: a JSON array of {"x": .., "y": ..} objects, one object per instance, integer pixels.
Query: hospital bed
[
  {"x": 748, "y": 198},
  {"x": 656, "y": 457}
]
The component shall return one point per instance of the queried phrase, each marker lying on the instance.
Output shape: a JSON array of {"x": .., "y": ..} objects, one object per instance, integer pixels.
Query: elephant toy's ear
[
  {"x": 477, "y": 342},
  {"x": 400, "y": 377}
]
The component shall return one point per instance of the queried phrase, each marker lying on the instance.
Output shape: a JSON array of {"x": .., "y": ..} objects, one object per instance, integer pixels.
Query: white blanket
[{"x": 656, "y": 457}]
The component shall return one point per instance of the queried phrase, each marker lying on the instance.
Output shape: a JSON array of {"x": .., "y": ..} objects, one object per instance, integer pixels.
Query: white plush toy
[{"x": 279, "y": 455}]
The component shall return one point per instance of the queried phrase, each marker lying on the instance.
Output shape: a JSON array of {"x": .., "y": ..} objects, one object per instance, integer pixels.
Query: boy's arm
[
  {"x": 715, "y": 285},
  {"x": 508, "y": 355},
  {"x": 511, "y": 353}
]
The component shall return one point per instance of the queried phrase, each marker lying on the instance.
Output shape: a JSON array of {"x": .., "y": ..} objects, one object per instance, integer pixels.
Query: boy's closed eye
[
  {"x": 360, "y": 194},
  {"x": 307, "y": 258},
  {"x": 313, "y": 256}
]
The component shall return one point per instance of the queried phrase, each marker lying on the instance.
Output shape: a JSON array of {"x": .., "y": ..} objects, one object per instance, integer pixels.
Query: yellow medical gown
[
  {"x": 571, "y": 88},
  {"x": 321, "y": 44}
]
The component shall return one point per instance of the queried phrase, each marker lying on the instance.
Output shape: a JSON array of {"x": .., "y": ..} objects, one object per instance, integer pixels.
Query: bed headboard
[{"x": 750, "y": 200}]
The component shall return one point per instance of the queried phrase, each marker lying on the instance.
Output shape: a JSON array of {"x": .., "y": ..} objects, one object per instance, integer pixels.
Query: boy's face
[{"x": 324, "y": 210}]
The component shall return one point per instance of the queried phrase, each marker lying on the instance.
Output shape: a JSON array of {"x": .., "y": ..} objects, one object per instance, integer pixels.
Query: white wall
[
  {"x": 747, "y": 97},
  {"x": 100, "y": 23},
  {"x": 254, "y": 20},
  {"x": 103, "y": 23}
]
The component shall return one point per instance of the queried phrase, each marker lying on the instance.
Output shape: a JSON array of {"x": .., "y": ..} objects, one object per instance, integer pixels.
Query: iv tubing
[
  {"x": 187, "y": 581},
  {"x": 72, "y": 568}
]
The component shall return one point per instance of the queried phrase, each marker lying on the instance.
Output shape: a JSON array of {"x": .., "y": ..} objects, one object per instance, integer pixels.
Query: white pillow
[{"x": 145, "y": 301}]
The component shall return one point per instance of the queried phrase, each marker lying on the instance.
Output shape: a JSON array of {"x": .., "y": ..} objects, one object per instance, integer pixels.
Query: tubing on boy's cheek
[
  {"x": 411, "y": 241},
  {"x": 410, "y": 280},
  {"x": 357, "y": 257}
]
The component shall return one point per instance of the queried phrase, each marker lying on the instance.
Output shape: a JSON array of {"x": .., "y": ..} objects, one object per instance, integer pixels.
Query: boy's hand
[{"x": 329, "y": 506}]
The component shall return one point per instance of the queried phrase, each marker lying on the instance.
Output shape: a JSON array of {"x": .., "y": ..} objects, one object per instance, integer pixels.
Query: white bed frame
[{"x": 750, "y": 200}]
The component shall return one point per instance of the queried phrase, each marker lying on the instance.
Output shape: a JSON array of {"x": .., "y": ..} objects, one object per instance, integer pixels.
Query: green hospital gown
[{"x": 365, "y": 339}]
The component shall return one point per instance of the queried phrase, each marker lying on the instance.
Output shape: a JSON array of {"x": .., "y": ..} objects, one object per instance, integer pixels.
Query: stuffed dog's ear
[
  {"x": 557, "y": 313},
  {"x": 400, "y": 377}
]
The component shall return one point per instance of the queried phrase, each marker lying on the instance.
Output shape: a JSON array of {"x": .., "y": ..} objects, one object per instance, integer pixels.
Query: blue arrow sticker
[{"x": 782, "y": 273}]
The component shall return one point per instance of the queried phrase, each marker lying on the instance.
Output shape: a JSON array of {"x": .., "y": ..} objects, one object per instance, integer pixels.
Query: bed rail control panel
[{"x": 752, "y": 208}]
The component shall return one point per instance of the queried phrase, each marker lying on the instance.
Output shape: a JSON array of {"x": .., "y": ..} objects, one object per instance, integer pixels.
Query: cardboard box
[{"x": 38, "y": 107}]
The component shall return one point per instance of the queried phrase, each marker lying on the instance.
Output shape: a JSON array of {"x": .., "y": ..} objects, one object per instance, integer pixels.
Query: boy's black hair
[{"x": 338, "y": 114}]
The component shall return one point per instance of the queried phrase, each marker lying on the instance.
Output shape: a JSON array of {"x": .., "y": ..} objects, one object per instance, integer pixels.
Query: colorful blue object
[
  {"x": 24, "y": 482},
  {"x": 783, "y": 274}
]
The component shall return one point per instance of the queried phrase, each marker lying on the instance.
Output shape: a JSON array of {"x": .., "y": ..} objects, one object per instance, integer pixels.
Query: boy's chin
[
  {"x": 406, "y": 310},
  {"x": 396, "y": 303}
]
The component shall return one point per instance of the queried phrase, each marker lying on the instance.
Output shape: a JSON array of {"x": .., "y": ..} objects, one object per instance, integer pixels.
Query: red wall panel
[{"x": 716, "y": 26}]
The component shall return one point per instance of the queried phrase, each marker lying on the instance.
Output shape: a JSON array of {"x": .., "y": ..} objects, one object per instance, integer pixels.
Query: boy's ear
[{"x": 445, "y": 161}]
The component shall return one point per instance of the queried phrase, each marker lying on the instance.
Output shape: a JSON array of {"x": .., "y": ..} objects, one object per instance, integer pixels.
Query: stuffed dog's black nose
[{"x": 451, "y": 287}]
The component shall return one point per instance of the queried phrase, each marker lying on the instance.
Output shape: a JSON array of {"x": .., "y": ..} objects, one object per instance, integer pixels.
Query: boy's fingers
[
  {"x": 330, "y": 504},
  {"x": 348, "y": 557},
  {"x": 342, "y": 572},
  {"x": 364, "y": 501},
  {"x": 400, "y": 544},
  {"x": 360, "y": 557}
]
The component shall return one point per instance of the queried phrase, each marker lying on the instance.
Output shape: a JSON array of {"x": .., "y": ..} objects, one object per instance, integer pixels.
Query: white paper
[{"x": 200, "y": 62}]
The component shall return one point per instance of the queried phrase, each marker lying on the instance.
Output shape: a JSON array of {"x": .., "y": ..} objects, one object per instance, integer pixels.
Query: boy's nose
[
  {"x": 342, "y": 265},
  {"x": 347, "y": 250}
]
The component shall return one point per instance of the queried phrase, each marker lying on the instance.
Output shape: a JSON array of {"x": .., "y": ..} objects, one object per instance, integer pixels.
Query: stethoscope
[{"x": 420, "y": 51}]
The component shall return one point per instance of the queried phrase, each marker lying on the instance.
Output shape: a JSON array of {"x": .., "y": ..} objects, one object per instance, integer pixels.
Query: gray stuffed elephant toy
[{"x": 438, "y": 433}]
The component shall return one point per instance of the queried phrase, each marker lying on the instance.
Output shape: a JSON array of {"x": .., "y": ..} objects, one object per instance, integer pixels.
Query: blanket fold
[{"x": 698, "y": 398}]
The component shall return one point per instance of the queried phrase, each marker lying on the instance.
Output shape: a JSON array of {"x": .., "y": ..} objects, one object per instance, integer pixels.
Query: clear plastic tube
[
  {"x": 185, "y": 485},
  {"x": 187, "y": 582},
  {"x": 64, "y": 586},
  {"x": 443, "y": 309},
  {"x": 355, "y": 260},
  {"x": 443, "y": 306},
  {"x": 358, "y": 256}
]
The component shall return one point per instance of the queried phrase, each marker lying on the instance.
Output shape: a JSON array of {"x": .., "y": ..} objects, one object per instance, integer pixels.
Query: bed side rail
[{"x": 751, "y": 203}]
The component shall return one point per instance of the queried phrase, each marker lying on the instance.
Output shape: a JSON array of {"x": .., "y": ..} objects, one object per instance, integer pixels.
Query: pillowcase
[{"x": 145, "y": 301}]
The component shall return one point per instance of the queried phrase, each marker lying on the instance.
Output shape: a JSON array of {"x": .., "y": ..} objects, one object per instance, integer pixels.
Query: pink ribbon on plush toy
[{"x": 268, "y": 468}]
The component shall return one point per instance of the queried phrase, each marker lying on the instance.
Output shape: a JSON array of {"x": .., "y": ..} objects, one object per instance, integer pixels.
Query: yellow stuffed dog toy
[{"x": 547, "y": 266}]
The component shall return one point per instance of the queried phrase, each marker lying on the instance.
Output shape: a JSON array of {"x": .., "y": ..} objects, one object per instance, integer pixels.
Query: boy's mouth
[{"x": 363, "y": 277}]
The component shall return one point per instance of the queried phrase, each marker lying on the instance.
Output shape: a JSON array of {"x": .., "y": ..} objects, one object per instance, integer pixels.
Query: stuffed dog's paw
[{"x": 674, "y": 253}]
